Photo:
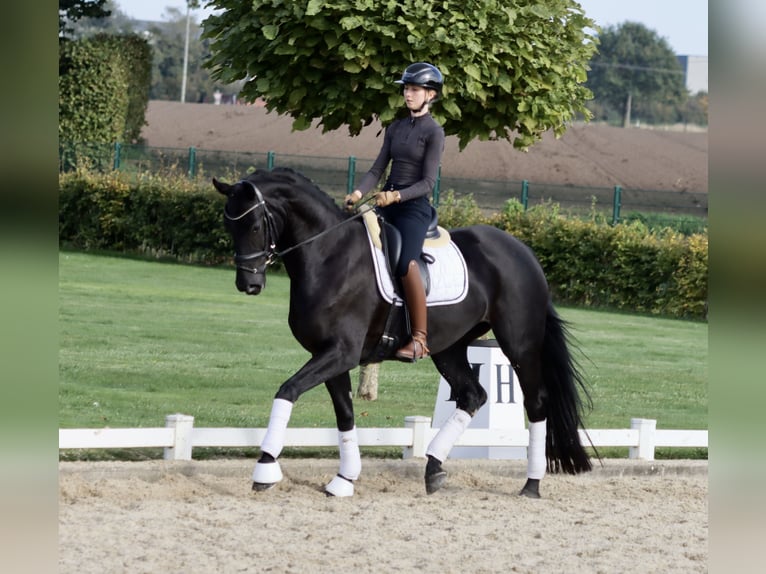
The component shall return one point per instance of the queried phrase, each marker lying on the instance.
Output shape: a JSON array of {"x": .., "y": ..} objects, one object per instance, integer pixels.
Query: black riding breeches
[{"x": 411, "y": 218}]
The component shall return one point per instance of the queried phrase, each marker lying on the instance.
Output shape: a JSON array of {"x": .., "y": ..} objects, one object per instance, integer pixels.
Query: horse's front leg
[
  {"x": 267, "y": 472},
  {"x": 342, "y": 484},
  {"x": 469, "y": 397},
  {"x": 319, "y": 368}
]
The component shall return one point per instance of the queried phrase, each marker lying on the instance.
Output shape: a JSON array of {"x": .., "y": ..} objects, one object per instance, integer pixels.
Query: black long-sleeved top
[{"x": 414, "y": 146}]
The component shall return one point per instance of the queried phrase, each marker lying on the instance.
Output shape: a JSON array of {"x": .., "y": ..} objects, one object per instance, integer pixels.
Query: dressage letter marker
[{"x": 504, "y": 408}]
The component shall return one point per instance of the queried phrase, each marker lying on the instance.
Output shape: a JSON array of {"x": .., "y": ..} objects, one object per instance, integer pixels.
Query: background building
[{"x": 695, "y": 73}]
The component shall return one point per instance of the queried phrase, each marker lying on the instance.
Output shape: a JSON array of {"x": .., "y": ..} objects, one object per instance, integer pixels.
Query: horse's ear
[{"x": 222, "y": 187}]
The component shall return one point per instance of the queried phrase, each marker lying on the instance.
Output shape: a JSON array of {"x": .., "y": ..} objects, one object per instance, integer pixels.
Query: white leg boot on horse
[
  {"x": 267, "y": 471},
  {"x": 440, "y": 447},
  {"x": 536, "y": 462},
  {"x": 342, "y": 484},
  {"x": 415, "y": 297}
]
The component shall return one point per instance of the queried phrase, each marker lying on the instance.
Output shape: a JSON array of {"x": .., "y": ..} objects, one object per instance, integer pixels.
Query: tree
[
  {"x": 636, "y": 66},
  {"x": 117, "y": 22},
  {"x": 73, "y": 10},
  {"x": 168, "y": 42},
  {"x": 514, "y": 68}
]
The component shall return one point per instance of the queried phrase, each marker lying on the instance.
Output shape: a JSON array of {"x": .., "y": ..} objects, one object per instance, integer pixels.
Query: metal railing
[{"x": 337, "y": 175}]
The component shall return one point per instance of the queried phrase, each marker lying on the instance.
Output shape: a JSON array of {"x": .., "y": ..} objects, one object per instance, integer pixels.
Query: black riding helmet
[{"x": 425, "y": 75}]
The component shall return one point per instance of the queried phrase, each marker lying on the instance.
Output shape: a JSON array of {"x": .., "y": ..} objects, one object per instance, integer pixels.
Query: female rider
[{"x": 414, "y": 145}]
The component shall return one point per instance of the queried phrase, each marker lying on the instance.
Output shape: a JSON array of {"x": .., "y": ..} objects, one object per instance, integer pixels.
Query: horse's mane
[{"x": 296, "y": 179}]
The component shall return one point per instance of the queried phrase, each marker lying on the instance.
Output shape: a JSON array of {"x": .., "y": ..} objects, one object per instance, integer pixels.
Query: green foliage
[
  {"x": 165, "y": 217},
  {"x": 591, "y": 263},
  {"x": 587, "y": 262},
  {"x": 684, "y": 224},
  {"x": 623, "y": 266},
  {"x": 103, "y": 90},
  {"x": 73, "y": 10},
  {"x": 458, "y": 211},
  {"x": 513, "y": 68},
  {"x": 696, "y": 109},
  {"x": 93, "y": 92},
  {"x": 167, "y": 73},
  {"x": 632, "y": 59},
  {"x": 136, "y": 56}
]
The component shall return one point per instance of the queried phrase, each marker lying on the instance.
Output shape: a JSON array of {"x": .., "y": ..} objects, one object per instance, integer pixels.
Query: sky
[{"x": 683, "y": 23}]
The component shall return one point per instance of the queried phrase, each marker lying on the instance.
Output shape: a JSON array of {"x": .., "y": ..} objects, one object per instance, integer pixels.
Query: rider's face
[{"x": 415, "y": 96}]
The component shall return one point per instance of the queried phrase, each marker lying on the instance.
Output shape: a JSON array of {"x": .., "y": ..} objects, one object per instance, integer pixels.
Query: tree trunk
[
  {"x": 626, "y": 116},
  {"x": 368, "y": 382}
]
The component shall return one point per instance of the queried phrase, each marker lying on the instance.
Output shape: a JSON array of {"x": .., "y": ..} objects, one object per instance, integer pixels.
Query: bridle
[{"x": 271, "y": 252}]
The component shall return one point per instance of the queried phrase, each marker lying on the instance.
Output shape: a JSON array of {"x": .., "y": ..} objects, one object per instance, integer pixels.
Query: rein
[{"x": 271, "y": 252}]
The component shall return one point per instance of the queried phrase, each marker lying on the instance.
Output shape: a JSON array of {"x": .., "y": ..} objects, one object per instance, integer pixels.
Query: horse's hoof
[
  {"x": 266, "y": 475},
  {"x": 339, "y": 486},
  {"x": 531, "y": 488},
  {"x": 435, "y": 481}
]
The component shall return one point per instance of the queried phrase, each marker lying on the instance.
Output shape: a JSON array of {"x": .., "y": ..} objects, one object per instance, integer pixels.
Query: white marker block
[{"x": 503, "y": 410}]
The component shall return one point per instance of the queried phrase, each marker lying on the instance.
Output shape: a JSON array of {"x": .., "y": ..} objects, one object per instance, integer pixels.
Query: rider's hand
[
  {"x": 384, "y": 198},
  {"x": 351, "y": 199}
]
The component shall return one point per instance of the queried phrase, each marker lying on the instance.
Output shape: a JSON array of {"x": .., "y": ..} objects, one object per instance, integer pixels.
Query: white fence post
[
  {"x": 182, "y": 440},
  {"x": 419, "y": 426},
  {"x": 646, "y": 439}
]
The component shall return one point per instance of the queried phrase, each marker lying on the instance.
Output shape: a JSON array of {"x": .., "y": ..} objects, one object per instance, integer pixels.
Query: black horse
[{"x": 337, "y": 314}]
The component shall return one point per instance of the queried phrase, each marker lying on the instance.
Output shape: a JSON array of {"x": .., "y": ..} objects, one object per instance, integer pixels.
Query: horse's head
[{"x": 251, "y": 225}]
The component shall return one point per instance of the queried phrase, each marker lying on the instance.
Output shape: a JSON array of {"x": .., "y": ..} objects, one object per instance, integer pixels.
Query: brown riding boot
[{"x": 415, "y": 297}]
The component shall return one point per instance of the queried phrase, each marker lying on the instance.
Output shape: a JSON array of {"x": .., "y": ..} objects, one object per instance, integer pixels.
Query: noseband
[{"x": 270, "y": 252}]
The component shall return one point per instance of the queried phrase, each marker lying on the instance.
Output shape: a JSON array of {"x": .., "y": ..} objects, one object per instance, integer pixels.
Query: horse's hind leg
[
  {"x": 526, "y": 362},
  {"x": 469, "y": 396},
  {"x": 348, "y": 443}
]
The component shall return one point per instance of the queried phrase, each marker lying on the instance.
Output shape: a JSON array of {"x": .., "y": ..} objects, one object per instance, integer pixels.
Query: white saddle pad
[{"x": 448, "y": 272}]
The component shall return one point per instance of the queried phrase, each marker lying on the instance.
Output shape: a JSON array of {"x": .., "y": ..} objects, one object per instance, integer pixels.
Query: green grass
[{"x": 140, "y": 340}]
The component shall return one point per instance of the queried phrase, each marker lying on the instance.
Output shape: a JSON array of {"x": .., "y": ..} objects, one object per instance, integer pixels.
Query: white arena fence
[{"x": 179, "y": 437}]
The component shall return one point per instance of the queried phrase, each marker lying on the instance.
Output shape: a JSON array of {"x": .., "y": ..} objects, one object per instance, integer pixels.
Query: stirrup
[{"x": 414, "y": 350}]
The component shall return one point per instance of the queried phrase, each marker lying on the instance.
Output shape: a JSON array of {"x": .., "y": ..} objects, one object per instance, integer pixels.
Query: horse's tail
[{"x": 563, "y": 449}]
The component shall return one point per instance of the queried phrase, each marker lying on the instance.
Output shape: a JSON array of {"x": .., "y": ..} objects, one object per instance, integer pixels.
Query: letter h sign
[{"x": 503, "y": 410}]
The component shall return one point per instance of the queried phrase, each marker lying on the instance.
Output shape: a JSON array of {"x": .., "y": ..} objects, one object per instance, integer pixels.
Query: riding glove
[
  {"x": 351, "y": 199},
  {"x": 384, "y": 198}
]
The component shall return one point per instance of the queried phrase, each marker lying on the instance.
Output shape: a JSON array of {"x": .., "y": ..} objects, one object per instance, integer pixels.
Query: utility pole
[{"x": 186, "y": 54}]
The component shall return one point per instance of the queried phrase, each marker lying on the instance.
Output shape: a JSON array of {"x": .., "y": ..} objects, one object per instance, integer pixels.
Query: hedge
[
  {"x": 163, "y": 217},
  {"x": 103, "y": 89},
  {"x": 587, "y": 263},
  {"x": 592, "y": 263}
]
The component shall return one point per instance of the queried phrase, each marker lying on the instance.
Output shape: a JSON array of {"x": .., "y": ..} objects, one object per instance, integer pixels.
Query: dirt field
[
  {"x": 202, "y": 517},
  {"x": 587, "y": 155}
]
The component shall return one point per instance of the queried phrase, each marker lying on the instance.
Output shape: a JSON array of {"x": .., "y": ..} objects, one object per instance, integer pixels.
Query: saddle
[
  {"x": 391, "y": 244},
  {"x": 442, "y": 269}
]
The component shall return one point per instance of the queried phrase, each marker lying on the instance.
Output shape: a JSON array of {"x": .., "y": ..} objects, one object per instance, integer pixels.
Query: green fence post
[
  {"x": 437, "y": 186},
  {"x": 524, "y": 193},
  {"x": 117, "y": 148},
  {"x": 351, "y": 174},
  {"x": 270, "y": 160},
  {"x": 192, "y": 162},
  {"x": 616, "y": 204}
]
